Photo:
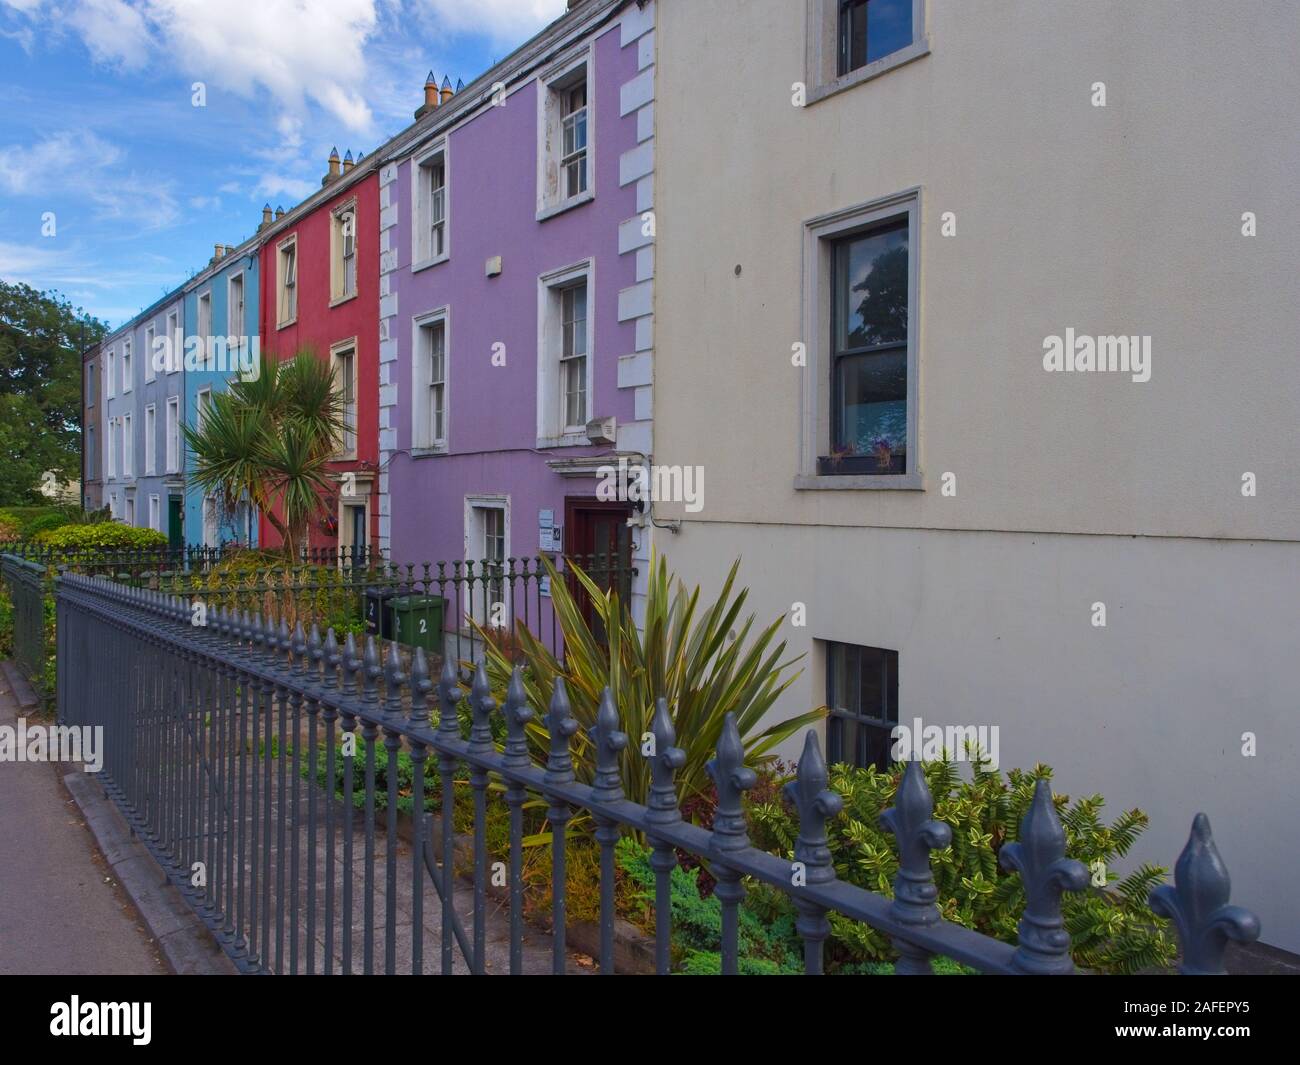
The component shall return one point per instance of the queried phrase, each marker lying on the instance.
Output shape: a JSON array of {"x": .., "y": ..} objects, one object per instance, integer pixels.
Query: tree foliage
[{"x": 41, "y": 340}]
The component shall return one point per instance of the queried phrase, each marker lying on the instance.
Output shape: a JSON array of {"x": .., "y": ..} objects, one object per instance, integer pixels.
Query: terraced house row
[{"x": 827, "y": 257}]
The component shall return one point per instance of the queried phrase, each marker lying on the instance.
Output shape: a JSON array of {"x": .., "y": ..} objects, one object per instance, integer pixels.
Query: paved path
[{"x": 60, "y": 911}]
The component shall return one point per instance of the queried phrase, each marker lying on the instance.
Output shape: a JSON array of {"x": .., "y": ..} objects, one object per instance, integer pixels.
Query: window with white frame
[
  {"x": 126, "y": 366},
  {"x": 235, "y": 305},
  {"x": 860, "y": 413},
  {"x": 344, "y": 362},
  {"x": 150, "y": 439},
  {"x": 128, "y": 447},
  {"x": 90, "y": 384},
  {"x": 565, "y": 366},
  {"x": 149, "y": 334},
  {"x": 343, "y": 240},
  {"x": 110, "y": 373},
  {"x": 287, "y": 282},
  {"x": 430, "y": 240},
  {"x": 573, "y": 354},
  {"x": 110, "y": 449},
  {"x": 487, "y": 546},
  {"x": 202, "y": 407},
  {"x": 128, "y": 514},
  {"x": 92, "y": 473},
  {"x": 205, "y": 326},
  {"x": 430, "y": 391},
  {"x": 175, "y": 342},
  {"x": 174, "y": 435},
  {"x": 566, "y": 125},
  {"x": 155, "y": 513}
]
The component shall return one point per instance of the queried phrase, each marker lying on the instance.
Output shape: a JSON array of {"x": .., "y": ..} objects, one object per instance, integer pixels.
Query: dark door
[
  {"x": 356, "y": 518},
  {"x": 597, "y": 537},
  {"x": 175, "y": 522}
]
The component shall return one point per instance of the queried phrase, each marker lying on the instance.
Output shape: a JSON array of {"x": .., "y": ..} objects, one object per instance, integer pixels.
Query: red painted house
[{"x": 319, "y": 281}]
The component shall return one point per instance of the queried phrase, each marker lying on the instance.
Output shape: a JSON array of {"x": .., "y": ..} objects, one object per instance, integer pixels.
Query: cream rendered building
[{"x": 858, "y": 278}]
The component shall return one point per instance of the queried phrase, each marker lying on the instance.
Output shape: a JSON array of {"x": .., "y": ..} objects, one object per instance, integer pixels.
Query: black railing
[
  {"x": 27, "y": 588},
  {"x": 214, "y": 736},
  {"x": 444, "y": 607}
]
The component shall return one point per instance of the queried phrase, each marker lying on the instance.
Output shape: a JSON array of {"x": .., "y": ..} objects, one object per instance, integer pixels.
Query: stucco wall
[
  {"x": 1118, "y": 220},
  {"x": 1123, "y": 219}
]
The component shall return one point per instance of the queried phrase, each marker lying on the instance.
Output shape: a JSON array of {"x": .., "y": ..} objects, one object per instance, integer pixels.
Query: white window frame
[
  {"x": 823, "y": 44},
  {"x": 338, "y": 249},
  {"x": 128, "y": 448},
  {"x": 423, "y": 254},
  {"x": 176, "y": 342},
  {"x": 202, "y": 400},
  {"x": 155, "y": 512},
  {"x": 150, "y": 440},
  {"x": 282, "y": 283},
  {"x": 150, "y": 332},
  {"x": 337, "y": 351},
  {"x": 172, "y": 428},
  {"x": 110, "y": 450},
  {"x": 128, "y": 509},
  {"x": 422, "y": 436},
  {"x": 127, "y": 383},
  {"x": 551, "y": 198},
  {"x": 819, "y": 236},
  {"x": 90, "y": 383},
  {"x": 235, "y": 309},
  {"x": 475, "y": 531},
  {"x": 551, "y": 430},
  {"x": 110, "y": 374}
]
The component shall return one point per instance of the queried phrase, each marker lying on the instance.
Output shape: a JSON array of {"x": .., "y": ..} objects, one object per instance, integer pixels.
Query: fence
[
  {"x": 209, "y": 733},
  {"x": 26, "y": 584},
  {"x": 429, "y": 604}
]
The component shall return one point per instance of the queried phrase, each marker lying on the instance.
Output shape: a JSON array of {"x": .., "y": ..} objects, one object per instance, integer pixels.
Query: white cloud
[
  {"x": 293, "y": 189},
  {"x": 502, "y": 20},
  {"x": 113, "y": 31},
  {"x": 296, "y": 51},
  {"x": 90, "y": 170}
]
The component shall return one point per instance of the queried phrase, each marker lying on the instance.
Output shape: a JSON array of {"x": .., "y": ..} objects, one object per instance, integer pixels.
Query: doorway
[{"x": 597, "y": 537}]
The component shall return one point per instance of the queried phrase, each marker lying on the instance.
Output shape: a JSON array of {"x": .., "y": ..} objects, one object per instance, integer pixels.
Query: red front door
[{"x": 597, "y": 538}]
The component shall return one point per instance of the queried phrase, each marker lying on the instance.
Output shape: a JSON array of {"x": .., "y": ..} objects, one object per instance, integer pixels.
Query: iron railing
[
  {"x": 209, "y": 732},
  {"x": 26, "y": 584},
  {"x": 436, "y": 605}
]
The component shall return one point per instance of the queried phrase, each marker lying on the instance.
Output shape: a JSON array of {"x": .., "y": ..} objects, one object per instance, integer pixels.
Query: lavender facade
[{"x": 516, "y": 322}]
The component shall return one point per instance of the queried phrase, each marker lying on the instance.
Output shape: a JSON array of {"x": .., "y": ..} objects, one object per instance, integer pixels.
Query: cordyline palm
[
  {"x": 269, "y": 439},
  {"x": 683, "y": 652}
]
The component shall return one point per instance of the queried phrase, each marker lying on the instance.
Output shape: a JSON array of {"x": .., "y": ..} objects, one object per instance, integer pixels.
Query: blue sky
[{"x": 97, "y": 123}]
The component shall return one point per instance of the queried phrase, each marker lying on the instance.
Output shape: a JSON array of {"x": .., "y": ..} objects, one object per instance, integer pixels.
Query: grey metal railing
[
  {"x": 206, "y": 730},
  {"x": 26, "y": 584}
]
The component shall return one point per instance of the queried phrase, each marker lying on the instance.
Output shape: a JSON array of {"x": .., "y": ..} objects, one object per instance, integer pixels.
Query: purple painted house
[{"x": 516, "y": 299}]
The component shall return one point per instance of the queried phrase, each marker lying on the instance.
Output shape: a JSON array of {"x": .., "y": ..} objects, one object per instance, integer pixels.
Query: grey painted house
[{"x": 142, "y": 410}]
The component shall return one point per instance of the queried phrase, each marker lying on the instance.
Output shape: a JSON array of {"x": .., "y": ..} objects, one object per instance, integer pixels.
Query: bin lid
[{"x": 407, "y": 602}]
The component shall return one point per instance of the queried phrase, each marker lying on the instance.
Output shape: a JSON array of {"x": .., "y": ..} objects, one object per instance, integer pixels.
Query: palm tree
[{"x": 269, "y": 440}]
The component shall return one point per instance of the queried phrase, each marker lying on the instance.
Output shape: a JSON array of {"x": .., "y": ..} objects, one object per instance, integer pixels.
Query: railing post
[
  {"x": 914, "y": 891},
  {"x": 1198, "y": 905},
  {"x": 815, "y": 803},
  {"x": 1039, "y": 857}
]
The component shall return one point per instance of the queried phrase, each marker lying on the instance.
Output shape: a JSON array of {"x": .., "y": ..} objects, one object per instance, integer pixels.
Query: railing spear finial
[
  {"x": 1198, "y": 905},
  {"x": 1039, "y": 857}
]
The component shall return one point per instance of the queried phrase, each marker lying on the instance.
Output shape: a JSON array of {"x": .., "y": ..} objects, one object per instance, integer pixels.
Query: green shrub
[
  {"x": 103, "y": 536},
  {"x": 1111, "y": 930},
  {"x": 707, "y": 659},
  {"x": 6, "y": 622}
]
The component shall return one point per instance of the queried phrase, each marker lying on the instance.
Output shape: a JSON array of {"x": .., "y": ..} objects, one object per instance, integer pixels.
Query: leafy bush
[
  {"x": 103, "y": 536},
  {"x": 702, "y": 660},
  {"x": 1111, "y": 930},
  {"x": 6, "y": 622}
]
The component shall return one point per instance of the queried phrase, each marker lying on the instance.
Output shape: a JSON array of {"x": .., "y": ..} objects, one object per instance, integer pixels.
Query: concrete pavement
[{"x": 61, "y": 910}]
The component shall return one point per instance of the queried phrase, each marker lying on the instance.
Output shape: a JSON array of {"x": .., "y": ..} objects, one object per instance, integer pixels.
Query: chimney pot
[
  {"x": 333, "y": 171},
  {"x": 348, "y": 164},
  {"x": 279, "y": 212},
  {"x": 446, "y": 89},
  {"x": 266, "y": 214}
]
